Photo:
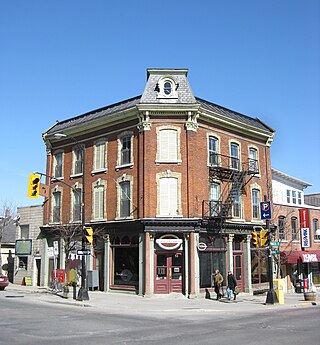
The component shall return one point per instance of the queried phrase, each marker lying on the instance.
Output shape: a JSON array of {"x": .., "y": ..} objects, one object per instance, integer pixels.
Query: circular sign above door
[{"x": 169, "y": 242}]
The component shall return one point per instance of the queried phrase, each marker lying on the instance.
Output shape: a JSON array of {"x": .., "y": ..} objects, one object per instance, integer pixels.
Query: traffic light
[
  {"x": 255, "y": 239},
  {"x": 264, "y": 238},
  {"x": 33, "y": 185},
  {"x": 88, "y": 231}
]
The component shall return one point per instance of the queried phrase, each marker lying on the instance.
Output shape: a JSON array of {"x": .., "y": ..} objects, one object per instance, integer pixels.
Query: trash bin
[{"x": 278, "y": 285}]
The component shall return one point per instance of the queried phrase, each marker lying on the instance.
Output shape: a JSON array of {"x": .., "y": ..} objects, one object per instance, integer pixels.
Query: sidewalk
[{"x": 119, "y": 302}]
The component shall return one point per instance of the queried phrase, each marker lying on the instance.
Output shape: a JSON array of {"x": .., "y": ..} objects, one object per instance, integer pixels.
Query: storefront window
[
  {"x": 259, "y": 266},
  {"x": 212, "y": 259},
  {"x": 126, "y": 261},
  {"x": 315, "y": 269}
]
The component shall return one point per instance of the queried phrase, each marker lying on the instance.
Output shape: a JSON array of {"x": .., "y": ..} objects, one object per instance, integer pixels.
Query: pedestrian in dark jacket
[{"x": 232, "y": 283}]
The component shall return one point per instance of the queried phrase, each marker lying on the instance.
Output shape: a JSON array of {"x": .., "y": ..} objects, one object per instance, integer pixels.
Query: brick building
[
  {"x": 298, "y": 229},
  {"x": 172, "y": 186}
]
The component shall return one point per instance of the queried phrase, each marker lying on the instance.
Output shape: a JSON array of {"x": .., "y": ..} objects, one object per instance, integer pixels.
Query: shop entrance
[
  {"x": 238, "y": 270},
  {"x": 168, "y": 272}
]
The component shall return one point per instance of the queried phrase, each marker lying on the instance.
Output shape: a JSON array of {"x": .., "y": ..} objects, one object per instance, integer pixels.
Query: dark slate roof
[
  {"x": 95, "y": 114},
  {"x": 9, "y": 232},
  {"x": 233, "y": 114},
  {"x": 132, "y": 102}
]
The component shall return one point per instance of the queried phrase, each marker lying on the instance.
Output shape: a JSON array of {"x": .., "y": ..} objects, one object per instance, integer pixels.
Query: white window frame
[
  {"x": 120, "y": 147},
  {"x": 77, "y": 149},
  {"x": 100, "y": 156},
  {"x": 235, "y": 158},
  {"x": 99, "y": 200},
  {"x": 214, "y": 198},
  {"x": 76, "y": 192},
  {"x": 161, "y": 88},
  {"x": 215, "y": 152},
  {"x": 122, "y": 179},
  {"x": 171, "y": 145},
  {"x": 255, "y": 203},
  {"x": 55, "y": 164},
  {"x": 237, "y": 203},
  {"x": 315, "y": 227},
  {"x": 174, "y": 206},
  {"x": 253, "y": 154},
  {"x": 55, "y": 191}
]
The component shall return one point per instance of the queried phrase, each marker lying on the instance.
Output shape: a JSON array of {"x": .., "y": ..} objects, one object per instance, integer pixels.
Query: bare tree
[
  {"x": 70, "y": 237},
  {"x": 7, "y": 215}
]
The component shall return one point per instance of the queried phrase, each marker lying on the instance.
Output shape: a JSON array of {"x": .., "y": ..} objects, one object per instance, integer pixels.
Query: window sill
[
  {"x": 123, "y": 166},
  {"x": 160, "y": 161},
  {"x": 57, "y": 179},
  {"x": 76, "y": 175},
  {"x": 99, "y": 171},
  {"x": 168, "y": 216},
  {"x": 124, "y": 218}
]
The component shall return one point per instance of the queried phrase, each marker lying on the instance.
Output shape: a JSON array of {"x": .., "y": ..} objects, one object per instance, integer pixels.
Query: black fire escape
[{"x": 233, "y": 178}]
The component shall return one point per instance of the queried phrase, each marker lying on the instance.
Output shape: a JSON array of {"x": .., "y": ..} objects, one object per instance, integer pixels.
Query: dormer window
[{"x": 167, "y": 88}]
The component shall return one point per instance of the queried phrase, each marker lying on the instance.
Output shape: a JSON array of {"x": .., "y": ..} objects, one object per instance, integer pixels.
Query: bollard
[{"x": 74, "y": 287}]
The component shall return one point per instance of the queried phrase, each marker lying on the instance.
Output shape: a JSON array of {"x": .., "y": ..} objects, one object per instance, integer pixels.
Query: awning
[{"x": 291, "y": 257}]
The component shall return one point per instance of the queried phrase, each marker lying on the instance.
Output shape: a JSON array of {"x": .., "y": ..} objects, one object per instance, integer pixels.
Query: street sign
[
  {"x": 265, "y": 210},
  {"x": 275, "y": 251},
  {"x": 274, "y": 244},
  {"x": 83, "y": 252}
]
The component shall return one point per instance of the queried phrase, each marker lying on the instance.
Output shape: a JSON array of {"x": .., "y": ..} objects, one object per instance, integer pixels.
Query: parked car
[{"x": 3, "y": 282}]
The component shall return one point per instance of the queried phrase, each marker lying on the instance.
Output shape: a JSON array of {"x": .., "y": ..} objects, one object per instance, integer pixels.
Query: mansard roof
[{"x": 181, "y": 98}]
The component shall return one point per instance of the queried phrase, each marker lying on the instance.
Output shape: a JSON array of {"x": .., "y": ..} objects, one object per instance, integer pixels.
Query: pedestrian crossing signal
[{"x": 33, "y": 185}]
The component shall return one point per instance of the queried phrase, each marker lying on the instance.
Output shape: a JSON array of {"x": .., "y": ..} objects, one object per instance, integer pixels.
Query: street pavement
[{"x": 119, "y": 302}]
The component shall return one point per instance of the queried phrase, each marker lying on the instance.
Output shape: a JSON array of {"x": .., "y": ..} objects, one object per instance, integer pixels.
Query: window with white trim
[
  {"x": 76, "y": 207},
  {"x": 213, "y": 151},
  {"x": 169, "y": 196},
  {"x": 57, "y": 164},
  {"x": 235, "y": 156},
  {"x": 125, "y": 146},
  {"x": 255, "y": 204},
  {"x": 167, "y": 88},
  {"x": 168, "y": 145},
  {"x": 253, "y": 160},
  {"x": 237, "y": 205},
  {"x": 99, "y": 162},
  {"x": 125, "y": 199},
  {"x": 294, "y": 229},
  {"x": 315, "y": 226},
  {"x": 56, "y": 210},
  {"x": 78, "y": 160},
  {"x": 282, "y": 228},
  {"x": 214, "y": 196},
  {"x": 98, "y": 201}
]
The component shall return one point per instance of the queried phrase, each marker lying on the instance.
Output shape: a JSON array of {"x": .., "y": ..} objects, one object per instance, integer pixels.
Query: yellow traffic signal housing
[
  {"x": 88, "y": 231},
  {"x": 33, "y": 185},
  {"x": 264, "y": 238},
  {"x": 255, "y": 239}
]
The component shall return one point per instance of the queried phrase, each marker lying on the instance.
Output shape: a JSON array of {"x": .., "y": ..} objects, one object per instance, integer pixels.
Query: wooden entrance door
[
  {"x": 168, "y": 272},
  {"x": 238, "y": 270}
]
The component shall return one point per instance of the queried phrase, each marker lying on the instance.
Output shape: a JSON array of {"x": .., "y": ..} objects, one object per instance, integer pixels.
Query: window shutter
[
  {"x": 168, "y": 145},
  {"x": 99, "y": 202},
  {"x": 168, "y": 196}
]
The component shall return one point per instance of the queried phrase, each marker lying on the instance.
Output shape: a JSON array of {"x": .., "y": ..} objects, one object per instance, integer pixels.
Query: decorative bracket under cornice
[
  {"x": 144, "y": 122},
  {"x": 192, "y": 123}
]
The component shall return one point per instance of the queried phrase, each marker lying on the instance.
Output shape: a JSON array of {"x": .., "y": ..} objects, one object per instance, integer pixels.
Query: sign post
[{"x": 265, "y": 212}]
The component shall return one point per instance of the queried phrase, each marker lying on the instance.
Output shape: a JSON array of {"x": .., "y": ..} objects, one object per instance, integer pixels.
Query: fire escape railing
[{"x": 235, "y": 176}]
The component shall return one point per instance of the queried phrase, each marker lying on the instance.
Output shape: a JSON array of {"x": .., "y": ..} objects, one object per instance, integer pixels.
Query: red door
[
  {"x": 238, "y": 270},
  {"x": 168, "y": 272}
]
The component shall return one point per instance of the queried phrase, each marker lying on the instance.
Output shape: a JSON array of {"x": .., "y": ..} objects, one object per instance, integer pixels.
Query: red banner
[{"x": 304, "y": 218}]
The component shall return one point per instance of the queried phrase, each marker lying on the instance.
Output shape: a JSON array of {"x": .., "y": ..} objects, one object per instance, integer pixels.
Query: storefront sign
[
  {"x": 309, "y": 258},
  {"x": 305, "y": 238},
  {"x": 202, "y": 246},
  {"x": 169, "y": 242}
]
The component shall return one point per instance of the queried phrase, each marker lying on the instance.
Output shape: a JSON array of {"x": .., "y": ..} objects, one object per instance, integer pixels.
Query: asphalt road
[{"x": 27, "y": 320}]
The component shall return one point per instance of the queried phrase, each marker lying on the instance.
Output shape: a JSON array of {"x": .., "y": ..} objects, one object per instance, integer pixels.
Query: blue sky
[{"x": 61, "y": 58}]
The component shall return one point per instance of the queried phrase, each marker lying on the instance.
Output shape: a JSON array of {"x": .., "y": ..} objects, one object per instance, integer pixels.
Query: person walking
[
  {"x": 232, "y": 283},
  {"x": 218, "y": 280}
]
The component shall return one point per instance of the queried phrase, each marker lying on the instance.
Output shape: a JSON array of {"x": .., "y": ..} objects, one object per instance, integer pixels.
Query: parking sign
[{"x": 265, "y": 210}]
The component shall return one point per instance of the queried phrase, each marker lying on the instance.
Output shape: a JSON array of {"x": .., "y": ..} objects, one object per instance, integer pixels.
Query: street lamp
[{"x": 83, "y": 294}]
